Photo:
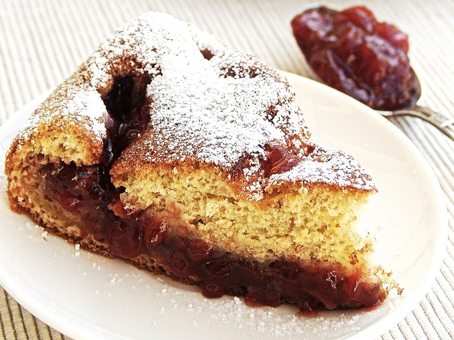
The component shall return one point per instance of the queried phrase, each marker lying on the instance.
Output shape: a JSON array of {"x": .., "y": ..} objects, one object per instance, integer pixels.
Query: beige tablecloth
[{"x": 41, "y": 43}]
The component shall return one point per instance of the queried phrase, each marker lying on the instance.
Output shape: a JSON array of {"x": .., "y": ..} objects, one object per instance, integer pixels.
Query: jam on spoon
[{"x": 366, "y": 59}]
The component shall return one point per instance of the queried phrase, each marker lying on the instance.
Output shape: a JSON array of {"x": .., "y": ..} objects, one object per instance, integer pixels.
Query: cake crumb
[{"x": 77, "y": 250}]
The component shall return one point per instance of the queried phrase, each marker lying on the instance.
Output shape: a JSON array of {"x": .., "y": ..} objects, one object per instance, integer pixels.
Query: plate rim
[{"x": 71, "y": 329}]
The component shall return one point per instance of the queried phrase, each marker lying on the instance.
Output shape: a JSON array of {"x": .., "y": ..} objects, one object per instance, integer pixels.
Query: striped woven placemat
[{"x": 42, "y": 42}]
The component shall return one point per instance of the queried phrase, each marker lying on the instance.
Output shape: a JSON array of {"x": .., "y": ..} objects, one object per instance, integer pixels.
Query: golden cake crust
[{"x": 223, "y": 111}]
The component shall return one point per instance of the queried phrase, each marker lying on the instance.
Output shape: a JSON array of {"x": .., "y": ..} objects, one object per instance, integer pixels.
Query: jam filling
[
  {"x": 354, "y": 53},
  {"x": 271, "y": 283},
  {"x": 87, "y": 192}
]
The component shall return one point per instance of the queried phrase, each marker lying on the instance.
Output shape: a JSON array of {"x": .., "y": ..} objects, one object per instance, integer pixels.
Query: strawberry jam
[
  {"x": 354, "y": 53},
  {"x": 265, "y": 283},
  {"x": 87, "y": 190},
  {"x": 278, "y": 159},
  {"x": 87, "y": 193}
]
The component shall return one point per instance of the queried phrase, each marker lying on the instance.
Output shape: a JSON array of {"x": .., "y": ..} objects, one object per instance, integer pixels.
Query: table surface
[{"x": 42, "y": 42}]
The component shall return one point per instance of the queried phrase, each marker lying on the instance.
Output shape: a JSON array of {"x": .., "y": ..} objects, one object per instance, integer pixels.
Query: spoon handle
[{"x": 441, "y": 122}]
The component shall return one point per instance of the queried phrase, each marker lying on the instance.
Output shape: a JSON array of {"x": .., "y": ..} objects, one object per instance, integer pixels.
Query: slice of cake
[{"x": 169, "y": 150}]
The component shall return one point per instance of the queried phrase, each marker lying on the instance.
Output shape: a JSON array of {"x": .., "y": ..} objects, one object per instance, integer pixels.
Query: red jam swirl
[
  {"x": 354, "y": 53},
  {"x": 278, "y": 159}
]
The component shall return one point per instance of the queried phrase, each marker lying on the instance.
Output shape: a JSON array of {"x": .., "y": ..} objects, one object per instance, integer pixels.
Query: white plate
[{"x": 86, "y": 296}]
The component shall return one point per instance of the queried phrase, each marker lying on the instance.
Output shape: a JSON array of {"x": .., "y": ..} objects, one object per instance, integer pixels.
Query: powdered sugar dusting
[
  {"x": 88, "y": 105},
  {"x": 327, "y": 166},
  {"x": 217, "y": 120},
  {"x": 221, "y": 109},
  {"x": 281, "y": 322},
  {"x": 68, "y": 103},
  {"x": 206, "y": 41},
  {"x": 233, "y": 315},
  {"x": 140, "y": 47},
  {"x": 173, "y": 301}
]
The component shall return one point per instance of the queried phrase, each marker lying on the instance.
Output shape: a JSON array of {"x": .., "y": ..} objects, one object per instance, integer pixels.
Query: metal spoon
[{"x": 439, "y": 121}]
